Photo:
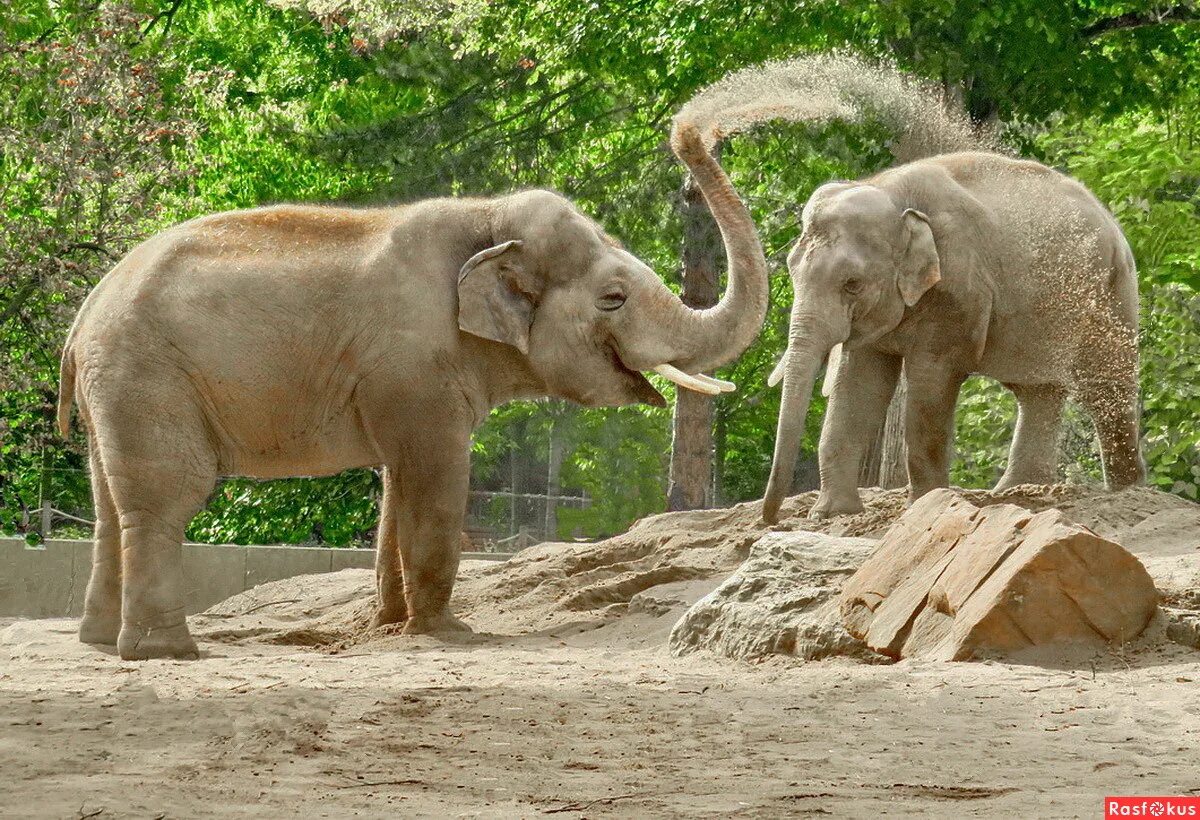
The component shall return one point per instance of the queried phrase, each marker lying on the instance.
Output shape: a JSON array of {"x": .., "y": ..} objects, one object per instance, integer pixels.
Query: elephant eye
[
  {"x": 611, "y": 301},
  {"x": 853, "y": 286}
]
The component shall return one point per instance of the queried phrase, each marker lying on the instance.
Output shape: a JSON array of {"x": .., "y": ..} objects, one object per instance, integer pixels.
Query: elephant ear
[
  {"x": 496, "y": 296},
  {"x": 919, "y": 268}
]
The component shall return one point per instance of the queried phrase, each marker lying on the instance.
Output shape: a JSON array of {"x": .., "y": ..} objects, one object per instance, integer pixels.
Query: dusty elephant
[
  {"x": 962, "y": 263},
  {"x": 292, "y": 340}
]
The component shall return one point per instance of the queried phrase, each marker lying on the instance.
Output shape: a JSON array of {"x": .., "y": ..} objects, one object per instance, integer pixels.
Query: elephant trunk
[
  {"x": 705, "y": 339},
  {"x": 804, "y": 358}
]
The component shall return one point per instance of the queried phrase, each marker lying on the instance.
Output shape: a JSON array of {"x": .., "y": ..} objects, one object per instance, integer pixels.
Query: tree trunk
[
  {"x": 720, "y": 445},
  {"x": 47, "y": 519},
  {"x": 554, "y": 460},
  {"x": 690, "y": 481},
  {"x": 886, "y": 462},
  {"x": 893, "y": 466},
  {"x": 514, "y": 476}
]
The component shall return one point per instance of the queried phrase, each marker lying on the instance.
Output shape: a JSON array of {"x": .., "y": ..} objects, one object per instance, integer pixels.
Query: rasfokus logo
[{"x": 1151, "y": 807}]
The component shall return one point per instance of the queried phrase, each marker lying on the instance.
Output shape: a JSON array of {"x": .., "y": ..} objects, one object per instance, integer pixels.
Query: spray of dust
[{"x": 831, "y": 87}]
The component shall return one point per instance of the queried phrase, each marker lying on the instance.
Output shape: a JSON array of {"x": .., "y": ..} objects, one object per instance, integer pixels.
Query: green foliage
[
  {"x": 1146, "y": 167},
  {"x": 214, "y": 104},
  {"x": 1171, "y": 388},
  {"x": 341, "y": 511},
  {"x": 984, "y": 422},
  {"x": 619, "y": 460},
  {"x": 89, "y": 149},
  {"x": 1031, "y": 59}
]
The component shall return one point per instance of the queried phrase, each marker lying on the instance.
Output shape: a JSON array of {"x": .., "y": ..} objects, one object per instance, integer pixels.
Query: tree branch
[
  {"x": 18, "y": 301},
  {"x": 167, "y": 15},
  {"x": 90, "y": 246},
  {"x": 1181, "y": 13}
]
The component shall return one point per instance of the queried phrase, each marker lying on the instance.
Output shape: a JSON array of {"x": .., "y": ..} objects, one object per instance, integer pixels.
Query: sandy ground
[{"x": 567, "y": 702}]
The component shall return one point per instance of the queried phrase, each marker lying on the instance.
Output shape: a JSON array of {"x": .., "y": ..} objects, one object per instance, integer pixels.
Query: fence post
[{"x": 44, "y": 495}]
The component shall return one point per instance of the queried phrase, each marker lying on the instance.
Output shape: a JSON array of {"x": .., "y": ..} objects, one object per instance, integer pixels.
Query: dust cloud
[{"x": 831, "y": 87}]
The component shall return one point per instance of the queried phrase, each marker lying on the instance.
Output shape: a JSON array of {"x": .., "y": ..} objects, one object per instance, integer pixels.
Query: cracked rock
[
  {"x": 781, "y": 601},
  {"x": 952, "y": 581}
]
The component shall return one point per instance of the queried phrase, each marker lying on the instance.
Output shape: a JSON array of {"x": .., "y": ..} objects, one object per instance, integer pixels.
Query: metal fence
[{"x": 497, "y": 520}]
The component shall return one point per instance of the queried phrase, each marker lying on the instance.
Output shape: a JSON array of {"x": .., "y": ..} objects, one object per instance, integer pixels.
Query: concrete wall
[{"x": 49, "y": 581}]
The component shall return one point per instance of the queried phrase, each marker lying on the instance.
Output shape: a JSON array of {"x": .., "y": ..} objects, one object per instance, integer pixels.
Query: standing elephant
[
  {"x": 957, "y": 264},
  {"x": 292, "y": 340}
]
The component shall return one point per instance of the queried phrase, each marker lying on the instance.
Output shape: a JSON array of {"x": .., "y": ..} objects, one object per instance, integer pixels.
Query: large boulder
[
  {"x": 782, "y": 600},
  {"x": 953, "y": 581}
]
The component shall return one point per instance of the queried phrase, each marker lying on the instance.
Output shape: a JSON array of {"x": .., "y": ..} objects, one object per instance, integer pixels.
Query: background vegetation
[{"x": 117, "y": 118}]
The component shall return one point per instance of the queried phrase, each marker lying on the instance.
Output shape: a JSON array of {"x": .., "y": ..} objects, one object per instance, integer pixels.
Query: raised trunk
[
  {"x": 804, "y": 361},
  {"x": 708, "y": 338}
]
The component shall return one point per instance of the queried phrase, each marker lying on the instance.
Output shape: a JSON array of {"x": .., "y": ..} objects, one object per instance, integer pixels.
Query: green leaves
[
  {"x": 339, "y": 511},
  {"x": 1171, "y": 388},
  {"x": 380, "y": 101}
]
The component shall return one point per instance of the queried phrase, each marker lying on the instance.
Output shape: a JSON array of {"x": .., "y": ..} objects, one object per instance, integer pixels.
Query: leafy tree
[
  {"x": 373, "y": 101},
  {"x": 89, "y": 146}
]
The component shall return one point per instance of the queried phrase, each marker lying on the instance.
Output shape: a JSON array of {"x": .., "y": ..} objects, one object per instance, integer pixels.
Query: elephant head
[
  {"x": 862, "y": 259},
  {"x": 588, "y": 316}
]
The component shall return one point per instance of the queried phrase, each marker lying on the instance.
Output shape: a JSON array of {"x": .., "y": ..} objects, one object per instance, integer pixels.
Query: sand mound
[
  {"x": 631, "y": 589},
  {"x": 592, "y": 716}
]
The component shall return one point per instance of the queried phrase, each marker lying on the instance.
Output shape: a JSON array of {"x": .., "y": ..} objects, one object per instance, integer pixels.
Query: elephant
[
  {"x": 298, "y": 340},
  {"x": 963, "y": 263}
]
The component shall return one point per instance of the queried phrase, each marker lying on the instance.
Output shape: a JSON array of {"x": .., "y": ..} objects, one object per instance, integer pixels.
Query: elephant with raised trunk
[
  {"x": 290, "y": 340},
  {"x": 957, "y": 264}
]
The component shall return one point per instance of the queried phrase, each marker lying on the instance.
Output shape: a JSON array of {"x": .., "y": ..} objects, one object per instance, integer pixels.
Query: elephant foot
[
  {"x": 442, "y": 623},
  {"x": 828, "y": 506},
  {"x": 1007, "y": 482},
  {"x": 387, "y": 615},
  {"x": 1126, "y": 476},
  {"x": 100, "y": 629},
  {"x": 138, "y": 643}
]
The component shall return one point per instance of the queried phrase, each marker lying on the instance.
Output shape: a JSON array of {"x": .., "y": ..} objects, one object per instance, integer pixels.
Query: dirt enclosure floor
[{"x": 566, "y": 700}]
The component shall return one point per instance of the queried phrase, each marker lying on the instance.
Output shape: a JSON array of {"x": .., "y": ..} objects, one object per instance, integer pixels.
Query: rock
[
  {"x": 952, "y": 581},
  {"x": 782, "y": 600},
  {"x": 1183, "y": 626}
]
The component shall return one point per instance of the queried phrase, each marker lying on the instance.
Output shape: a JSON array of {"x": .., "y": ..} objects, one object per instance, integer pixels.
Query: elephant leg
[
  {"x": 857, "y": 408},
  {"x": 101, "y": 621},
  {"x": 160, "y": 469},
  {"x": 1114, "y": 412},
  {"x": 1106, "y": 384},
  {"x": 389, "y": 576},
  {"x": 431, "y": 511},
  {"x": 1033, "y": 457},
  {"x": 929, "y": 426}
]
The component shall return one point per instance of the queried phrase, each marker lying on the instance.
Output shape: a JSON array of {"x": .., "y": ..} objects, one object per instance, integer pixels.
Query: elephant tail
[{"x": 66, "y": 389}]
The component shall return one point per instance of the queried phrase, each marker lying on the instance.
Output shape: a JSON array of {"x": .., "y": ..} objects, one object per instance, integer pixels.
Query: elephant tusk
[
  {"x": 721, "y": 384},
  {"x": 711, "y": 387},
  {"x": 777, "y": 374},
  {"x": 831, "y": 369}
]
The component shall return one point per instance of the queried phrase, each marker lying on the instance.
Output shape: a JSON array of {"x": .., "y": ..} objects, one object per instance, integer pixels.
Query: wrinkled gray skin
[
  {"x": 958, "y": 264},
  {"x": 290, "y": 341}
]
